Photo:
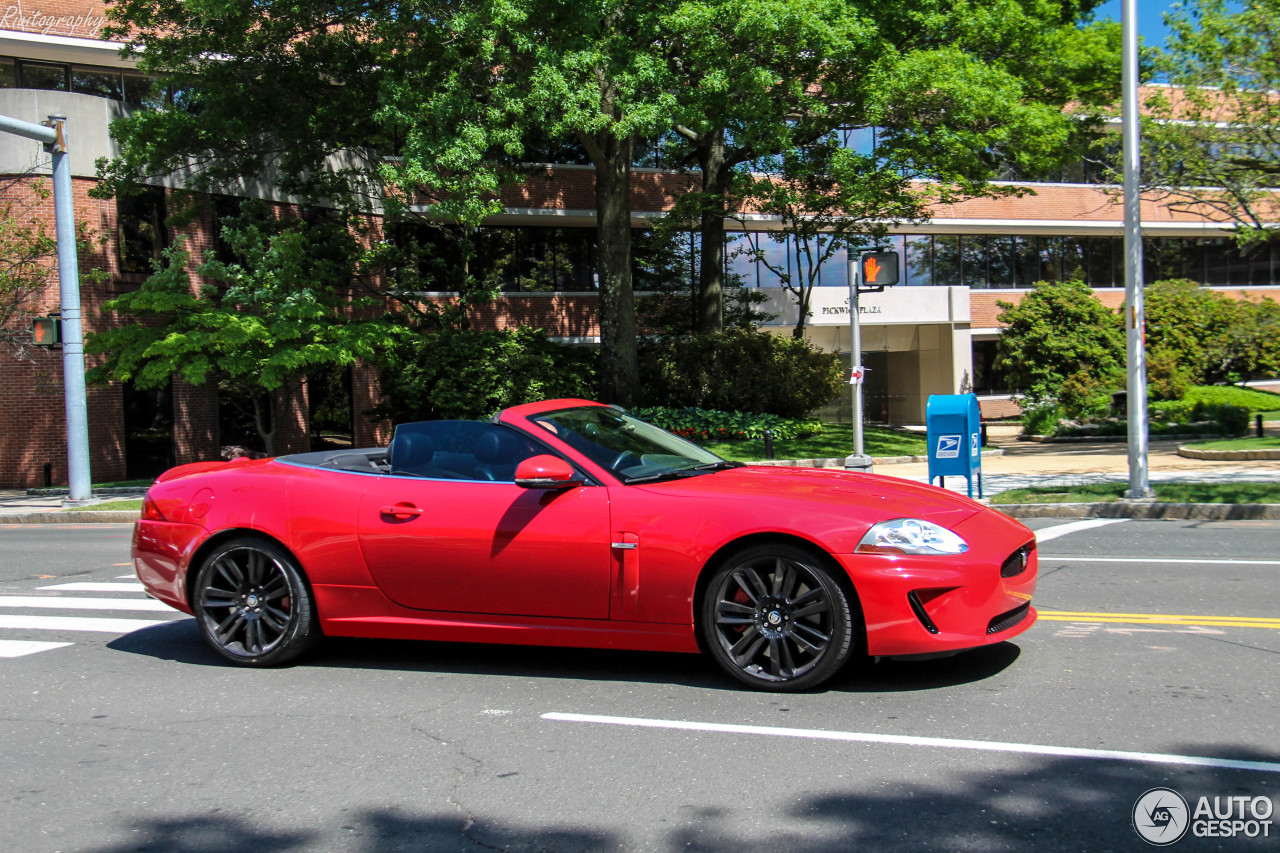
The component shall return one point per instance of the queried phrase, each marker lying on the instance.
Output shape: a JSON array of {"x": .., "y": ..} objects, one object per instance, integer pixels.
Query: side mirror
[{"x": 546, "y": 472}]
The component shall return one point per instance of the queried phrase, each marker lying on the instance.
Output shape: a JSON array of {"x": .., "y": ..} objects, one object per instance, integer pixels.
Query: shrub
[
  {"x": 456, "y": 374},
  {"x": 704, "y": 425},
  {"x": 739, "y": 370}
]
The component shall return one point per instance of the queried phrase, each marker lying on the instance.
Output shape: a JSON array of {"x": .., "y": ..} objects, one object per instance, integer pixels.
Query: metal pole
[
  {"x": 859, "y": 461},
  {"x": 53, "y": 134},
  {"x": 1135, "y": 351},
  {"x": 72, "y": 335}
]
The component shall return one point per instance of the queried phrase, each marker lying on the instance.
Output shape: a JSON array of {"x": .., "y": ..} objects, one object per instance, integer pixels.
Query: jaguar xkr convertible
[{"x": 570, "y": 523}]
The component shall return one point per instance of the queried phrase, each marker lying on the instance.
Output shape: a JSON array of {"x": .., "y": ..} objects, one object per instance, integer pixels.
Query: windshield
[{"x": 631, "y": 449}]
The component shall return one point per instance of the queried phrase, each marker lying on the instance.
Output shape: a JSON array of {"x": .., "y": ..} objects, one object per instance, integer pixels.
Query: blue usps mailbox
[{"x": 954, "y": 429}]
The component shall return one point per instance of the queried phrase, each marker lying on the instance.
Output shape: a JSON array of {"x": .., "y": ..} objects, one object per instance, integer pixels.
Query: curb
[
  {"x": 1117, "y": 439},
  {"x": 838, "y": 461},
  {"x": 1229, "y": 455},
  {"x": 1143, "y": 510},
  {"x": 116, "y": 516}
]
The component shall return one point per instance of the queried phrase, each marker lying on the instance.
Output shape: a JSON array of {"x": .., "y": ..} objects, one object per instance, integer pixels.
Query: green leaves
[
  {"x": 1061, "y": 345},
  {"x": 1211, "y": 144}
]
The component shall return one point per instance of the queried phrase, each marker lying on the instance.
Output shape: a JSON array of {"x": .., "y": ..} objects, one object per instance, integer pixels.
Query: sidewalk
[{"x": 1021, "y": 464}]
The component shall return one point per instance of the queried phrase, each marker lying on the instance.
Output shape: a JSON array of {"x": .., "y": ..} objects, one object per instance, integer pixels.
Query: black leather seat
[
  {"x": 497, "y": 454},
  {"x": 411, "y": 453}
]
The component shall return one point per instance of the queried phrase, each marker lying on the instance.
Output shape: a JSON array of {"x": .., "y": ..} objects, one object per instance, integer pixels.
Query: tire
[
  {"x": 253, "y": 605},
  {"x": 778, "y": 618}
]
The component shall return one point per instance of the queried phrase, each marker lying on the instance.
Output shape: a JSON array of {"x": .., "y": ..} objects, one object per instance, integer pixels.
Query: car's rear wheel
[
  {"x": 253, "y": 605},
  {"x": 778, "y": 617}
]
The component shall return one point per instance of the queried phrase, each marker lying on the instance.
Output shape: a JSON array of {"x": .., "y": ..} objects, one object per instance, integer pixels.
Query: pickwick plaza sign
[{"x": 36, "y": 20}]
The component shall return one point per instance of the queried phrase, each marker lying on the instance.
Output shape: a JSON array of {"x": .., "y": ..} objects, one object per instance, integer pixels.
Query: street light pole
[{"x": 1135, "y": 350}]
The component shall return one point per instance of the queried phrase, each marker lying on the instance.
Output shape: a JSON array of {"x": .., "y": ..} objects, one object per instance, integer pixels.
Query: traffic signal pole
[
  {"x": 53, "y": 134},
  {"x": 859, "y": 461}
]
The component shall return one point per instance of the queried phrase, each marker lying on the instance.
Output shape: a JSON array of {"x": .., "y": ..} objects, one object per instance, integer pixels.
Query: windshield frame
[{"x": 628, "y": 448}]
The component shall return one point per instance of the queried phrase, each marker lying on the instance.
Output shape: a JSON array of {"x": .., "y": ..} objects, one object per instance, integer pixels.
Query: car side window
[{"x": 459, "y": 450}]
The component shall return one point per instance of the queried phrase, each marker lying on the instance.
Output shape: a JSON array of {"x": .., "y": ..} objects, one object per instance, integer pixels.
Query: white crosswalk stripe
[
  {"x": 90, "y": 586},
  {"x": 91, "y": 615},
  {"x": 53, "y": 603},
  {"x": 76, "y": 623},
  {"x": 22, "y": 648}
]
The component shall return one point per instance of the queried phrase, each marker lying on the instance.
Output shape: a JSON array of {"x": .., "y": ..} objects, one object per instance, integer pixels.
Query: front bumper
[{"x": 919, "y": 605}]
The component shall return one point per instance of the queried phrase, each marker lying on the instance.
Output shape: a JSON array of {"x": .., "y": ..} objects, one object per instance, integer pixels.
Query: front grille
[
  {"x": 1016, "y": 563},
  {"x": 1005, "y": 621}
]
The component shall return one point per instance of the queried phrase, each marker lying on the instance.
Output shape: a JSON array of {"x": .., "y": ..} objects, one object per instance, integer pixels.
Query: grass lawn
[
  {"x": 133, "y": 505},
  {"x": 835, "y": 440},
  {"x": 1266, "y": 443},
  {"x": 1190, "y": 493},
  {"x": 1258, "y": 402}
]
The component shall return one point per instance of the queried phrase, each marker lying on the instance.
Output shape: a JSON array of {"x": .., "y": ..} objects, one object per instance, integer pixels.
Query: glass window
[
  {"x": 1260, "y": 263},
  {"x": 947, "y": 261},
  {"x": 1027, "y": 266},
  {"x": 39, "y": 75},
  {"x": 1102, "y": 255},
  {"x": 8, "y": 73},
  {"x": 103, "y": 84},
  {"x": 141, "y": 92},
  {"x": 999, "y": 252},
  {"x": 1217, "y": 260},
  {"x": 918, "y": 260},
  {"x": 1074, "y": 255},
  {"x": 140, "y": 229}
]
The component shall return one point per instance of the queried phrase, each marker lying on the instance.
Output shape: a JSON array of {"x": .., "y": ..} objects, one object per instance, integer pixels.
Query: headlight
[{"x": 911, "y": 536}]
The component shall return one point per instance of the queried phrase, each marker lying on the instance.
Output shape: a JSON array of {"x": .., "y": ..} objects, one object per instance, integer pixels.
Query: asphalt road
[{"x": 1154, "y": 665}]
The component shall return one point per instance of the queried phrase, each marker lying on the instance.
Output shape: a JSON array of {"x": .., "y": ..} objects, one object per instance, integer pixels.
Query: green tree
[
  {"x": 825, "y": 198},
  {"x": 28, "y": 257},
  {"x": 27, "y": 254},
  {"x": 1061, "y": 345},
  {"x": 259, "y": 323},
  {"x": 459, "y": 374},
  {"x": 957, "y": 92},
  {"x": 1211, "y": 142}
]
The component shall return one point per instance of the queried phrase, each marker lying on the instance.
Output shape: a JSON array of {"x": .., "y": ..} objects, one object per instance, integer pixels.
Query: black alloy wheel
[
  {"x": 777, "y": 618},
  {"x": 253, "y": 605}
]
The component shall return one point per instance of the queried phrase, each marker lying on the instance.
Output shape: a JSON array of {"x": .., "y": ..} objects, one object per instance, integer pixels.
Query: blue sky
[{"x": 1151, "y": 26}]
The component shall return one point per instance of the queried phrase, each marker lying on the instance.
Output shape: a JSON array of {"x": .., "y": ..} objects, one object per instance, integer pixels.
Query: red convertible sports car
[{"x": 570, "y": 523}]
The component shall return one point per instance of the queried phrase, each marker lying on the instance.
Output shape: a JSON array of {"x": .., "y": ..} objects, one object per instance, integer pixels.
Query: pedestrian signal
[
  {"x": 880, "y": 269},
  {"x": 46, "y": 331}
]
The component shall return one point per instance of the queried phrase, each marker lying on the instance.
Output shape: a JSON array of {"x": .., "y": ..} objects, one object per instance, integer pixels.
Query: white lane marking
[
  {"x": 1074, "y": 526},
  {"x": 86, "y": 586},
  {"x": 52, "y": 603},
  {"x": 76, "y": 623},
  {"x": 126, "y": 577},
  {"x": 904, "y": 740},
  {"x": 21, "y": 648},
  {"x": 1161, "y": 560}
]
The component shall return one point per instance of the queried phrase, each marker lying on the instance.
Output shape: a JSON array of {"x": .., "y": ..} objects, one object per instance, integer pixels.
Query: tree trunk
[
  {"x": 715, "y": 180},
  {"x": 619, "y": 362},
  {"x": 266, "y": 420}
]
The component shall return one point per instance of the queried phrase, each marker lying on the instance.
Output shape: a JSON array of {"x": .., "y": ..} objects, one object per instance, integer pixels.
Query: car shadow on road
[{"x": 180, "y": 641}]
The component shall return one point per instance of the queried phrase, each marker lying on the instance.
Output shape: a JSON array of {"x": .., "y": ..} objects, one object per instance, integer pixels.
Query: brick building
[{"x": 934, "y": 334}]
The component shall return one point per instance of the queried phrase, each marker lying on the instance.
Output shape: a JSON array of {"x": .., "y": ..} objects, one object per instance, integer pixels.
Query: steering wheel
[{"x": 616, "y": 465}]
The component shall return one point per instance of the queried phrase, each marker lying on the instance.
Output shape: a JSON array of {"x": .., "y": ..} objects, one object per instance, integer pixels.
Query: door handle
[{"x": 402, "y": 511}]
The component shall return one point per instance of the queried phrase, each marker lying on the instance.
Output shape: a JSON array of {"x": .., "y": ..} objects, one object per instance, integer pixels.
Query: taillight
[{"x": 151, "y": 512}]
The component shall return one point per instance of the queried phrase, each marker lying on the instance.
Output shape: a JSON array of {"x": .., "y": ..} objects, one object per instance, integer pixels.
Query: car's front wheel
[
  {"x": 253, "y": 605},
  {"x": 778, "y": 618}
]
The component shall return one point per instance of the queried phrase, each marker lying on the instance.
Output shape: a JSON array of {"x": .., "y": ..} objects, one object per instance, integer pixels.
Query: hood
[{"x": 872, "y": 497}]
